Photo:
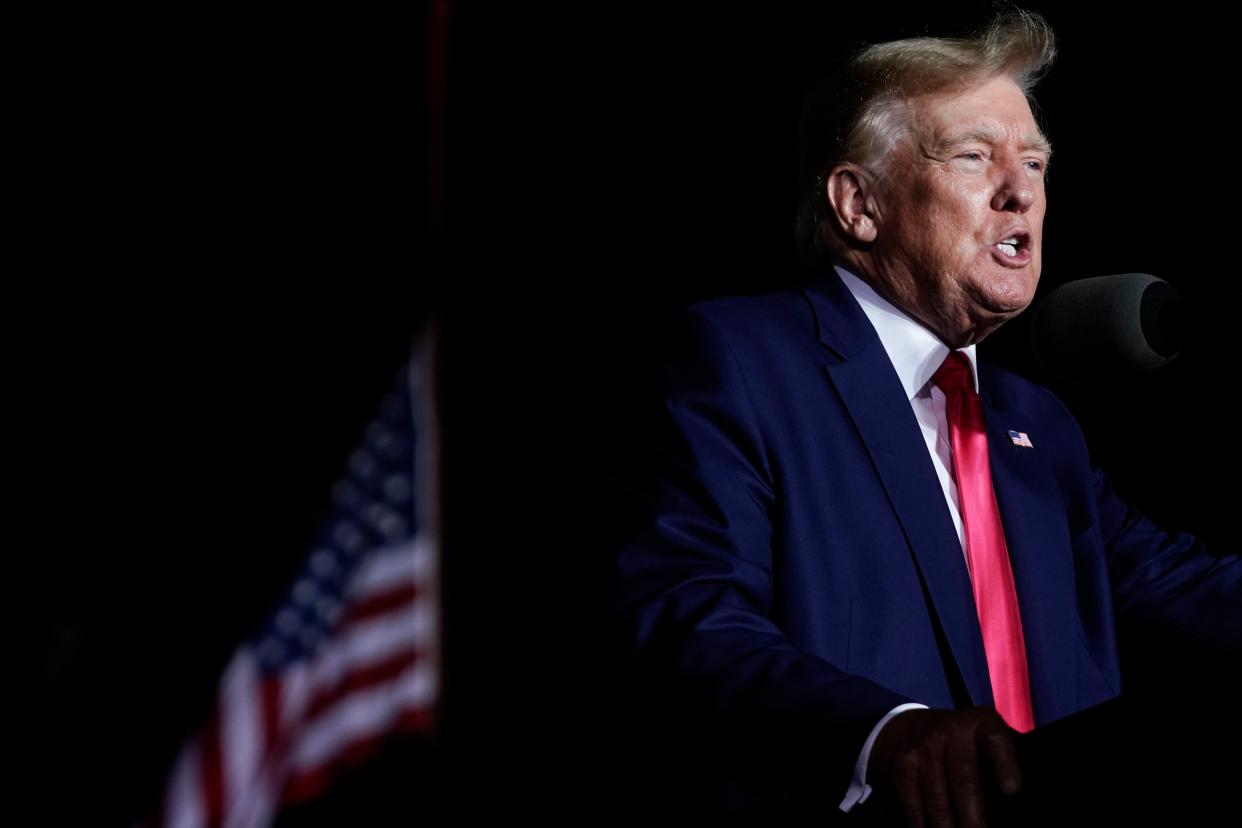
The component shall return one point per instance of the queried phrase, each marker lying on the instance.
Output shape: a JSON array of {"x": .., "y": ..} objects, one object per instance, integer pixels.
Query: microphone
[{"x": 1095, "y": 328}]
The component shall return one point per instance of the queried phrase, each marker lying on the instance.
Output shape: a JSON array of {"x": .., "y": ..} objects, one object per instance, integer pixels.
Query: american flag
[
  {"x": 1020, "y": 438},
  {"x": 350, "y": 655}
]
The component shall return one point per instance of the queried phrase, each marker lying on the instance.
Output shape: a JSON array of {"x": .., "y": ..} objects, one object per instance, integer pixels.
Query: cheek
[{"x": 963, "y": 218}]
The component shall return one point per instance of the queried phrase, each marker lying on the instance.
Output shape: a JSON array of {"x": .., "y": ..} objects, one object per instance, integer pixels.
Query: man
[{"x": 864, "y": 558}]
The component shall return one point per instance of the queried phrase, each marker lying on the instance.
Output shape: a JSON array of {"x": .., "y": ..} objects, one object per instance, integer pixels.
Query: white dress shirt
[{"x": 916, "y": 354}]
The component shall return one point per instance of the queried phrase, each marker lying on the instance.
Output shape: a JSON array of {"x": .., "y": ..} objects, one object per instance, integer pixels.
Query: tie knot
[{"x": 954, "y": 373}]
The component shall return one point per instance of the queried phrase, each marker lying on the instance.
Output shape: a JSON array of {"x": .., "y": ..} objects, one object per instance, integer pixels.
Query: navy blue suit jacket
[{"x": 796, "y": 573}]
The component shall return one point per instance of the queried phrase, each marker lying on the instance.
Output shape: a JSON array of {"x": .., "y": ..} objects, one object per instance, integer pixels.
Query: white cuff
[{"x": 859, "y": 789}]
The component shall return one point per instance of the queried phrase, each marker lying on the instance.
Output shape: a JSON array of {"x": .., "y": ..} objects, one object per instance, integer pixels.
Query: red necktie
[{"x": 986, "y": 553}]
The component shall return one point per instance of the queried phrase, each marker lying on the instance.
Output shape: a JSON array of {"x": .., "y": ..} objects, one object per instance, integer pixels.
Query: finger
[
  {"x": 937, "y": 809},
  {"x": 963, "y": 782},
  {"x": 999, "y": 747},
  {"x": 909, "y": 794}
]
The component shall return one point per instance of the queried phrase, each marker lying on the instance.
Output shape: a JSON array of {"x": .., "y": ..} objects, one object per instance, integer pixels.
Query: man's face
[{"x": 961, "y": 223}]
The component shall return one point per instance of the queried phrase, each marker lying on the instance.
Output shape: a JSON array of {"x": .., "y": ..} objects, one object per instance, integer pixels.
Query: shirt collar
[{"x": 916, "y": 352}]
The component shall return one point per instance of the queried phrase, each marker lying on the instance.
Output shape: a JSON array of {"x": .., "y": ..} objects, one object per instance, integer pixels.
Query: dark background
[{"x": 221, "y": 224}]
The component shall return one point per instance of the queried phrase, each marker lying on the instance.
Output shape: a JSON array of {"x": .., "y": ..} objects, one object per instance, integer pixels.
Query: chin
[
  {"x": 992, "y": 313},
  {"x": 988, "y": 319},
  {"x": 1007, "y": 306},
  {"x": 1012, "y": 298}
]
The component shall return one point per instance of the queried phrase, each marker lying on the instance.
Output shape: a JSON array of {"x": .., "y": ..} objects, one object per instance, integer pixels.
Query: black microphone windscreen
[{"x": 1093, "y": 328}]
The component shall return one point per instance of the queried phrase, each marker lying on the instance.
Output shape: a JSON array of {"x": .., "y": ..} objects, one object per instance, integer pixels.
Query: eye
[
  {"x": 1035, "y": 165},
  {"x": 972, "y": 155}
]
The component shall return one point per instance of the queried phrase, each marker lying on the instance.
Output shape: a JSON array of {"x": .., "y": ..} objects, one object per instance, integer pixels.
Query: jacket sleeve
[
  {"x": 1177, "y": 606},
  {"x": 1169, "y": 580},
  {"x": 695, "y": 577}
]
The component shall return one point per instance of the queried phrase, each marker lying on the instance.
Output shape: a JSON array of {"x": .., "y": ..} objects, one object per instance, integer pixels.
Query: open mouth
[{"x": 1015, "y": 244}]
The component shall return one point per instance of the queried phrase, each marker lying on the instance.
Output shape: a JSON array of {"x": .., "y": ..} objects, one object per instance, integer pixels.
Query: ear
[{"x": 852, "y": 201}]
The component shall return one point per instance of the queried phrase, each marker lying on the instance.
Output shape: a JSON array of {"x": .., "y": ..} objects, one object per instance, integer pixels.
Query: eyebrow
[{"x": 1035, "y": 142}]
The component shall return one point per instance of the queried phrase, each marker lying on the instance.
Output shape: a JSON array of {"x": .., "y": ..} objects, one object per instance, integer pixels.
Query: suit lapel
[
  {"x": 872, "y": 393},
  {"x": 1038, "y": 541}
]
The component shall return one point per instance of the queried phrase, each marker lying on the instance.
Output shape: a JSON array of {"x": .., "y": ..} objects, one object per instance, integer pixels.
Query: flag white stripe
[
  {"x": 294, "y": 694},
  {"x": 184, "y": 805},
  {"x": 371, "y": 642},
  {"x": 361, "y": 715},
  {"x": 426, "y": 557},
  {"x": 260, "y": 807},
  {"x": 241, "y": 730},
  {"x": 386, "y": 567},
  {"x": 255, "y": 808}
]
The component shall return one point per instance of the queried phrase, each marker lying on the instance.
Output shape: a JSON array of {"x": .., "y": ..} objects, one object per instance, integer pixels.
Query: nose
[{"x": 1015, "y": 191}]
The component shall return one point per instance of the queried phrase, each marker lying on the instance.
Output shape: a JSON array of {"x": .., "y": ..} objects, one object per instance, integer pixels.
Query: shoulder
[
  {"x": 1009, "y": 389},
  {"x": 748, "y": 349},
  {"x": 750, "y": 324},
  {"x": 1011, "y": 392},
  {"x": 748, "y": 311}
]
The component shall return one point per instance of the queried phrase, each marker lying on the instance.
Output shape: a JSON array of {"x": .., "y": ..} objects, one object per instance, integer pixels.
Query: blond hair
[{"x": 860, "y": 113}]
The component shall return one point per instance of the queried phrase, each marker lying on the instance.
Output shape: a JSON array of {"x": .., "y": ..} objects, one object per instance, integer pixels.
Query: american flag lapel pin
[{"x": 1020, "y": 438}]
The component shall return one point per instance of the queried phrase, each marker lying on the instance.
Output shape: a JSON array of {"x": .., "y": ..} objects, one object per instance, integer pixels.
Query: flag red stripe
[
  {"x": 211, "y": 771},
  {"x": 311, "y": 782},
  {"x": 382, "y": 602},
  {"x": 269, "y": 696}
]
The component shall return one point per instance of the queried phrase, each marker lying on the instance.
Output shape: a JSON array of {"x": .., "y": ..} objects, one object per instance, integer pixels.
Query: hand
[{"x": 927, "y": 762}]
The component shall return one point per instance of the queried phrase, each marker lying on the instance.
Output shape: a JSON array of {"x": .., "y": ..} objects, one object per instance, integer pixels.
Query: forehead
[{"x": 995, "y": 106}]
